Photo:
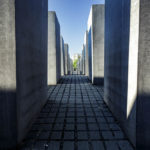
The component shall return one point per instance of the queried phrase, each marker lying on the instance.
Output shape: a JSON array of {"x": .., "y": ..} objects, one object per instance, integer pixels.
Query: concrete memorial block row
[
  {"x": 94, "y": 45},
  {"x": 58, "y": 51},
  {"x": 30, "y": 59},
  {"x": 127, "y": 67},
  {"x": 23, "y": 67}
]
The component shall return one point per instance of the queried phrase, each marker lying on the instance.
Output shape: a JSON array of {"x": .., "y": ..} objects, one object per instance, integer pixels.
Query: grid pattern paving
[{"x": 76, "y": 118}]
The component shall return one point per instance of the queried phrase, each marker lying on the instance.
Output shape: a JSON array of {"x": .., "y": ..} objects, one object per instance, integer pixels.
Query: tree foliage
[{"x": 75, "y": 63}]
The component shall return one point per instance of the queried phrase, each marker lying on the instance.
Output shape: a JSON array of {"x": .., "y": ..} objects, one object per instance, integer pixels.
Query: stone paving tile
[
  {"x": 98, "y": 145},
  {"x": 75, "y": 118},
  {"x": 94, "y": 135},
  {"x": 68, "y": 145},
  {"x": 69, "y": 135},
  {"x": 43, "y": 135},
  {"x": 83, "y": 145},
  {"x": 111, "y": 145},
  {"x": 56, "y": 135},
  {"x": 54, "y": 145},
  {"x": 81, "y": 127},
  {"x": 82, "y": 135}
]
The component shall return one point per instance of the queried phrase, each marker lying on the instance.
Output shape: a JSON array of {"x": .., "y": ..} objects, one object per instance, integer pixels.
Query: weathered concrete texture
[
  {"x": 66, "y": 58},
  {"x": 62, "y": 57},
  {"x": 96, "y": 44},
  {"x": 68, "y": 63},
  {"x": 127, "y": 67},
  {"x": 117, "y": 24},
  {"x": 83, "y": 60},
  {"x": 81, "y": 65},
  {"x": 86, "y": 54},
  {"x": 90, "y": 52},
  {"x": 54, "y": 51},
  {"x": 23, "y": 66},
  {"x": 71, "y": 66},
  {"x": 143, "y": 99}
]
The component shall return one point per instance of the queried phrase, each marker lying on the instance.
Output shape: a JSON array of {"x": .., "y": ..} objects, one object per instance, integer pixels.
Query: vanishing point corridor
[{"x": 75, "y": 118}]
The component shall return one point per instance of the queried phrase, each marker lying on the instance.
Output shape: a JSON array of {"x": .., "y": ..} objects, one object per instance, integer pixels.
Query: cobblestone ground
[{"x": 76, "y": 118}]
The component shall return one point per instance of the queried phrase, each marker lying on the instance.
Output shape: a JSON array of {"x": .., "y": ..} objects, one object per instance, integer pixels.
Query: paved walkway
[{"x": 76, "y": 118}]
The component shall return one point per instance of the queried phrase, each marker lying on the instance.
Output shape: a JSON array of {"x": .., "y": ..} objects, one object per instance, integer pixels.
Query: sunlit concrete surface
[
  {"x": 76, "y": 118},
  {"x": 54, "y": 49},
  {"x": 86, "y": 54},
  {"x": 66, "y": 48},
  {"x": 62, "y": 56},
  {"x": 96, "y": 43},
  {"x": 83, "y": 60}
]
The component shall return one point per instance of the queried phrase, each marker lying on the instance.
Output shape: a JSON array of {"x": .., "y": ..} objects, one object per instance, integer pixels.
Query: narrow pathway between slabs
[{"x": 76, "y": 118}]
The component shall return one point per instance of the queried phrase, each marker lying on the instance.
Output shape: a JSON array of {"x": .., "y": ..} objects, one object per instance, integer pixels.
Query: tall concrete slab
[
  {"x": 96, "y": 44},
  {"x": 127, "y": 66},
  {"x": 54, "y": 50},
  {"x": 83, "y": 60},
  {"x": 66, "y": 58},
  {"x": 68, "y": 63},
  {"x": 62, "y": 57},
  {"x": 81, "y": 65},
  {"x": 71, "y": 66},
  {"x": 86, "y": 54},
  {"x": 23, "y": 67}
]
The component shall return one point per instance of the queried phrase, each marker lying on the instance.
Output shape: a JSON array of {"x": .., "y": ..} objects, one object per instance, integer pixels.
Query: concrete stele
[
  {"x": 96, "y": 44},
  {"x": 54, "y": 51},
  {"x": 23, "y": 67}
]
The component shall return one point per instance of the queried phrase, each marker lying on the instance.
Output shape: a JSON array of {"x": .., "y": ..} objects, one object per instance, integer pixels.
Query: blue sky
[{"x": 73, "y": 17}]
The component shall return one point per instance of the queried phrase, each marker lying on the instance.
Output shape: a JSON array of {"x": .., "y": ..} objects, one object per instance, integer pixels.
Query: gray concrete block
[
  {"x": 80, "y": 65},
  {"x": 96, "y": 44},
  {"x": 68, "y": 63},
  {"x": 127, "y": 67},
  {"x": 71, "y": 66},
  {"x": 62, "y": 57},
  {"x": 83, "y": 60},
  {"x": 54, "y": 50},
  {"x": 143, "y": 89},
  {"x": 86, "y": 54},
  {"x": 66, "y": 47},
  {"x": 23, "y": 67}
]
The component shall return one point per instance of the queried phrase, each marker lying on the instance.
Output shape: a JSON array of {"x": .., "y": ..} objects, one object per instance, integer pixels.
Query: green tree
[{"x": 75, "y": 64}]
